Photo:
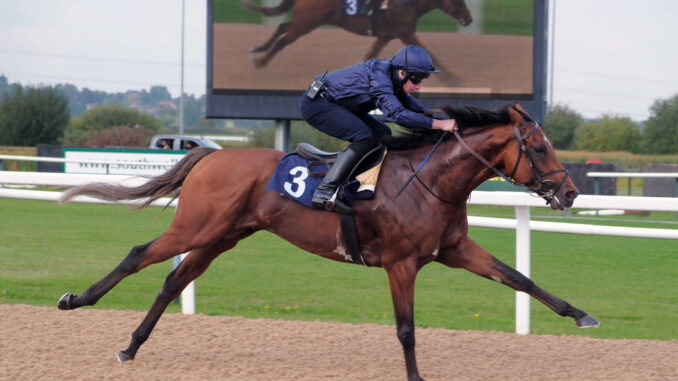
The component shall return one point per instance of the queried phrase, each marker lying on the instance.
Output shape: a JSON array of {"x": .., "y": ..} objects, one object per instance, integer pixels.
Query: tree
[
  {"x": 611, "y": 133},
  {"x": 660, "y": 135},
  {"x": 299, "y": 132},
  {"x": 4, "y": 84},
  {"x": 157, "y": 94},
  {"x": 124, "y": 136},
  {"x": 32, "y": 115},
  {"x": 105, "y": 117},
  {"x": 560, "y": 125}
]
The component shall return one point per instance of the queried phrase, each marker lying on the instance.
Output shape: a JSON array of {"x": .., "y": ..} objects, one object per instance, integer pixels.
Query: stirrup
[
  {"x": 333, "y": 204},
  {"x": 339, "y": 207}
]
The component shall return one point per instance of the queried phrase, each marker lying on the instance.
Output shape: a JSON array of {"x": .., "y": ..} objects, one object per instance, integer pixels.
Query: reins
[
  {"x": 414, "y": 173},
  {"x": 545, "y": 187}
]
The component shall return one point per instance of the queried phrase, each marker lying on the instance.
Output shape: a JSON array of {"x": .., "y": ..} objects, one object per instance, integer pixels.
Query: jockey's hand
[{"x": 448, "y": 125}]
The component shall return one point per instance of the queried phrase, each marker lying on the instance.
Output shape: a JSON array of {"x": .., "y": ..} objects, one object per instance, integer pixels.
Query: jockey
[{"x": 341, "y": 106}]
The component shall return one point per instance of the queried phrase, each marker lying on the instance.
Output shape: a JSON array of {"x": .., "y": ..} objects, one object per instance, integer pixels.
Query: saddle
[{"x": 367, "y": 168}]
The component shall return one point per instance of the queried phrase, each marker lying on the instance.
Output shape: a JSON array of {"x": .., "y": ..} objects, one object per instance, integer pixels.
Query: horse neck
[
  {"x": 422, "y": 7},
  {"x": 459, "y": 173}
]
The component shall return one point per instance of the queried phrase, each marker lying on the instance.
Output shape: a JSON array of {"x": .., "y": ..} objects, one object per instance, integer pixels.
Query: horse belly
[{"x": 315, "y": 231}]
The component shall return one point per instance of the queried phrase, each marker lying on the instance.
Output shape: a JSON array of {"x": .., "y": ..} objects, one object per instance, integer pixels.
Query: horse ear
[
  {"x": 516, "y": 117},
  {"x": 520, "y": 108}
]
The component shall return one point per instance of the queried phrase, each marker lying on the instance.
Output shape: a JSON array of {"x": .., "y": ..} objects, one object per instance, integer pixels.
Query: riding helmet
[{"x": 414, "y": 59}]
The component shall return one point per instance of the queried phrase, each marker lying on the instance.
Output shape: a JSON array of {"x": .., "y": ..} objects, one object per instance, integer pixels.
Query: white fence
[{"x": 522, "y": 224}]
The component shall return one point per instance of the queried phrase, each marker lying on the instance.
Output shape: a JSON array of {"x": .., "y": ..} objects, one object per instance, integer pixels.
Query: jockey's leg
[
  {"x": 325, "y": 195},
  {"x": 335, "y": 120}
]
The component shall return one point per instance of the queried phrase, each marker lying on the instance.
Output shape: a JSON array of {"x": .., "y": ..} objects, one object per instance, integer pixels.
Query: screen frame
[{"x": 284, "y": 105}]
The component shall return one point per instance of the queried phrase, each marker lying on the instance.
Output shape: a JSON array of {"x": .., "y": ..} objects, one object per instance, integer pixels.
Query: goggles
[{"x": 416, "y": 78}]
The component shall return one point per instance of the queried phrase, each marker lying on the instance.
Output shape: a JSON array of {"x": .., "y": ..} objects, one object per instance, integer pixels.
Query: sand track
[{"x": 41, "y": 343}]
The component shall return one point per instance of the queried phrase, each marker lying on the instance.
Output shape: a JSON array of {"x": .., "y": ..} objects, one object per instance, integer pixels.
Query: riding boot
[{"x": 325, "y": 195}]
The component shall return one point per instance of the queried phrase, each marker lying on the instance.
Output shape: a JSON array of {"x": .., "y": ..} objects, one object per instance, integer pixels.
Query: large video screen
[{"x": 263, "y": 54}]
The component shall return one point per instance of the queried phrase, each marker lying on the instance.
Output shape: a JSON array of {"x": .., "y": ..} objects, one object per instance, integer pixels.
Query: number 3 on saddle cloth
[{"x": 299, "y": 174}]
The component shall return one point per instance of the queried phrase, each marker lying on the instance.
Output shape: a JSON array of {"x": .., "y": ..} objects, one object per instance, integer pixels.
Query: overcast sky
[{"x": 611, "y": 56}]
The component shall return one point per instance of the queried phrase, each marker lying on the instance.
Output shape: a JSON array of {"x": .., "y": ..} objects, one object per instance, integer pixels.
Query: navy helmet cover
[{"x": 414, "y": 59}]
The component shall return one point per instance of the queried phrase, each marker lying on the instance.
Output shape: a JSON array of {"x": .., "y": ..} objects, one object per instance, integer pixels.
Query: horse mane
[{"x": 466, "y": 117}]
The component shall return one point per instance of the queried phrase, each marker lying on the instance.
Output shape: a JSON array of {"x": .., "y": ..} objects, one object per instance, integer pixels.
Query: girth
[{"x": 348, "y": 226}]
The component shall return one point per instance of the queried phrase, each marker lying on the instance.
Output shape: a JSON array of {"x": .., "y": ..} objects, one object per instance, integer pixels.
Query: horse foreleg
[
  {"x": 282, "y": 29},
  {"x": 377, "y": 47},
  {"x": 195, "y": 263},
  {"x": 472, "y": 257},
  {"x": 287, "y": 38},
  {"x": 401, "y": 278}
]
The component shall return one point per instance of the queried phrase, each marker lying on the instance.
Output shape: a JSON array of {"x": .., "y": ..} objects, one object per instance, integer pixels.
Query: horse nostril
[{"x": 571, "y": 195}]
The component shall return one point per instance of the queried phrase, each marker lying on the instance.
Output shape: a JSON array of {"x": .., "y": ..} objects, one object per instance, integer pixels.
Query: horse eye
[{"x": 540, "y": 150}]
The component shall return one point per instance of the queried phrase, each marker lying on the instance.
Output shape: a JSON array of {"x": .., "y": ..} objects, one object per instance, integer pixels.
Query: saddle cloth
[
  {"x": 357, "y": 7},
  {"x": 364, "y": 7},
  {"x": 297, "y": 178}
]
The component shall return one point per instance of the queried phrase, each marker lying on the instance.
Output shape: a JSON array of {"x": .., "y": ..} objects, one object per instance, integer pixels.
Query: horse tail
[
  {"x": 152, "y": 190},
  {"x": 283, "y": 7}
]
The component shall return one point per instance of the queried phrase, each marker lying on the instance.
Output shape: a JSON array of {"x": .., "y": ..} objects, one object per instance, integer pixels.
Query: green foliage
[
  {"x": 560, "y": 125},
  {"x": 300, "y": 132},
  {"x": 611, "y": 133},
  {"x": 20, "y": 165},
  {"x": 513, "y": 17},
  {"x": 660, "y": 135},
  {"x": 4, "y": 84},
  {"x": 622, "y": 159},
  {"x": 100, "y": 118},
  {"x": 32, "y": 115},
  {"x": 230, "y": 11},
  {"x": 123, "y": 136},
  {"x": 157, "y": 94}
]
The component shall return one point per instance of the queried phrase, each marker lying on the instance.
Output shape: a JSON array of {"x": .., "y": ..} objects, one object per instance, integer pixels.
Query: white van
[{"x": 180, "y": 142}]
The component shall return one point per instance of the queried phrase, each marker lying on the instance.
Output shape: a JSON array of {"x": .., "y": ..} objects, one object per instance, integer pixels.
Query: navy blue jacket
[{"x": 374, "y": 84}]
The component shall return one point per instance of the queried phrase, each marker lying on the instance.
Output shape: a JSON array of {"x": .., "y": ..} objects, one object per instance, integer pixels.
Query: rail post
[
  {"x": 596, "y": 188},
  {"x": 523, "y": 266}
]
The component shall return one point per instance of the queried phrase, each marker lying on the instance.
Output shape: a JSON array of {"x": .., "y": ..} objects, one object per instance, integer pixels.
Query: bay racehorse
[
  {"x": 398, "y": 21},
  {"x": 220, "y": 204}
]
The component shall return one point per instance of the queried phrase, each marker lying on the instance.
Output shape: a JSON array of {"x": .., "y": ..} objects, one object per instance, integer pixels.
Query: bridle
[{"x": 545, "y": 188}]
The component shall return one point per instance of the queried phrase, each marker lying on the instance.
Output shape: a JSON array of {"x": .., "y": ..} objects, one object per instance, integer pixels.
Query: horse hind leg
[
  {"x": 195, "y": 263},
  {"x": 130, "y": 265},
  {"x": 159, "y": 250},
  {"x": 472, "y": 257}
]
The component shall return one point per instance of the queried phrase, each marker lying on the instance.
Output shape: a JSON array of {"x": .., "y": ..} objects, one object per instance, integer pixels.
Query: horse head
[
  {"x": 458, "y": 10},
  {"x": 535, "y": 164}
]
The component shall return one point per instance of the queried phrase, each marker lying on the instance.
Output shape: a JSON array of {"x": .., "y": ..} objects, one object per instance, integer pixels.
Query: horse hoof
[
  {"x": 257, "y": 63},
  {"x": 65, "y": 301},
  {"x": 587, "y": 322},
  {"x": 122, "y": 357}
]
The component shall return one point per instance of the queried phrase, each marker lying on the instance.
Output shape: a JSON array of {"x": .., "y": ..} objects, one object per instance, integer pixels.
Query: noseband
[{"x": 544, "y": 187}]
